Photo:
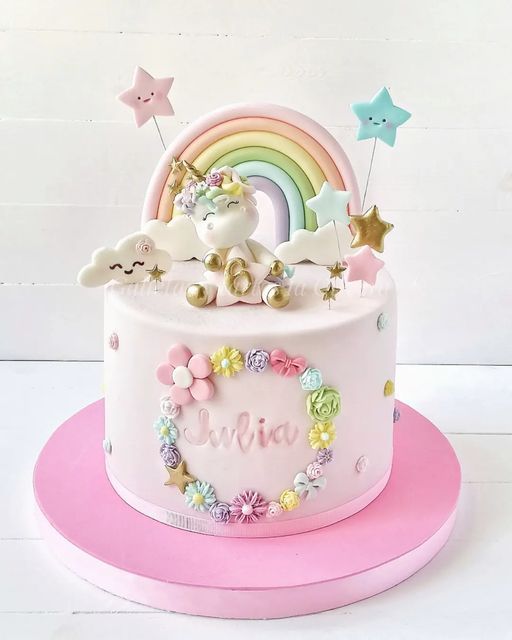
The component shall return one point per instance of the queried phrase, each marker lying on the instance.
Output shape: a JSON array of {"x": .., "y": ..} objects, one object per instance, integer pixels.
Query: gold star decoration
[
  {"x": 330, "y": 292},
  {"x": 194, "y": 173},
  {"x": 176, "y": 165},
  {"x": 370, "y": 230},
  {"x": 336, "y": 269},
  {"x": 155, "y": 274},
  {"x": 179, "y": 476}
]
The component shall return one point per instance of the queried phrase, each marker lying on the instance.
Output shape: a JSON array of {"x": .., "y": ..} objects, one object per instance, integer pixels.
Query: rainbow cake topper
[{"x": 285, "y": 154}]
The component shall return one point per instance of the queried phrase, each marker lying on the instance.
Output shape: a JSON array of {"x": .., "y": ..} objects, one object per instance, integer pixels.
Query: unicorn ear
[{"x": 221, "y": 200}]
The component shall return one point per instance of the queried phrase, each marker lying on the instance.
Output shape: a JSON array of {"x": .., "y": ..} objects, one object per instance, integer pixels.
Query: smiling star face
[
  {"x": 148, "y": 96},
  {"x": 130, "y": 262},
  {"x": 379, "y": 118},
  {"x": 225, "y": 223}
]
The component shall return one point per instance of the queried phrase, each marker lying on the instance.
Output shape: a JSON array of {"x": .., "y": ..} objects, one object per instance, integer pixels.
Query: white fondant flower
[{"x": 303, "y": 485}]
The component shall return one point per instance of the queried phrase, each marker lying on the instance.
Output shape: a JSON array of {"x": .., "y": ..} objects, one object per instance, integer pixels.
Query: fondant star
[
  {"x": 370, "y": 229},
  {"x": 379, "y": 118},
  {"x": 155, "y": 274},
  {"x": 330, "y": 204},
  {"x": 330, "y": 292},
  {"x": 179, "y": 476},
  {"x": 176, "y": 165},
  {"x": 336, "y": 270},
  {"x": 225, "y": 298},
  {"x": 363, "y": 265},
  {"x": 148, "y": 96}
]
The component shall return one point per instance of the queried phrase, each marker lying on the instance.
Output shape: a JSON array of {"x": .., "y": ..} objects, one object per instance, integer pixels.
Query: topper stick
[
  {"x": 369, "y": 173},
  {"x": 159, "y": 133}
]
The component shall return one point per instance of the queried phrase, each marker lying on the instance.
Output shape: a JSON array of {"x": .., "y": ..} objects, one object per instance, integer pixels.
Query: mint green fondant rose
[
  {"x": 323, "y": 404},
  {"x": 311, "y": 379}
]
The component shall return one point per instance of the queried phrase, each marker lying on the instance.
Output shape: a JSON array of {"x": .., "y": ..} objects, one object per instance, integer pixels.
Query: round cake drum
[{"x": 92, "y": 531}]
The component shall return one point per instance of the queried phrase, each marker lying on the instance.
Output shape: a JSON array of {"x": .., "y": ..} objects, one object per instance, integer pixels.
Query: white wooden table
[{"x": 463, "y": 593}]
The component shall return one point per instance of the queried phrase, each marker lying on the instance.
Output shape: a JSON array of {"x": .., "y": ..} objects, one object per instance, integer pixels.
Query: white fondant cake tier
[{"x": 252, "y": 435}]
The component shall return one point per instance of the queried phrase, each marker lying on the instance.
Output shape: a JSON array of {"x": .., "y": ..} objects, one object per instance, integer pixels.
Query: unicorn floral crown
[{"x": 215, "y": 185}]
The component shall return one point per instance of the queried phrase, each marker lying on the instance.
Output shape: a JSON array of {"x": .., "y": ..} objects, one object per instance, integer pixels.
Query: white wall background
[{"x": 74, "y": 168}]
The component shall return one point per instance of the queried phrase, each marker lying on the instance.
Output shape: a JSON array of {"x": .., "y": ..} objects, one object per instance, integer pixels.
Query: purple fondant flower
[
  {"x": 248, "y": 507},
  {"x": 113, "y": 341},
  {"x": 170, "y": 455},
  {"x": 396, "y": 414},
  {"x": 324, "y": 456},
  {"x": 220, "y": 512},
  {"x": 256, "y": 360},
  {"x": 214, "y": 179}
]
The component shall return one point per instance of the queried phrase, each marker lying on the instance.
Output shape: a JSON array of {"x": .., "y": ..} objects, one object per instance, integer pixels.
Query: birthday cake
[{"x": 249, "y": 385}]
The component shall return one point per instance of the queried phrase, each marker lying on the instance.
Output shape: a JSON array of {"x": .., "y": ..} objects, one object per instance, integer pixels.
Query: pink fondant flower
[
  {"x": 314, "y": 470},
  {"x": 274, "y": 509},
  {"x": 214, "y": 179},
  {"x": 144, "y": 246},
  {"x": 248, "y": 507},
  {"x": 187, "y": 375}
]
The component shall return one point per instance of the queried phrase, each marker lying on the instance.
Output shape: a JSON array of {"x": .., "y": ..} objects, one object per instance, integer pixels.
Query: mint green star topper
[
  {"x": 330, "y": 205},
  {"x": 379, "y": 118}
]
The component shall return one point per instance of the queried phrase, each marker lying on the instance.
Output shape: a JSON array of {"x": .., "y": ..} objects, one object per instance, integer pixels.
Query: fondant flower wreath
[{"x": 189, "y": 379}]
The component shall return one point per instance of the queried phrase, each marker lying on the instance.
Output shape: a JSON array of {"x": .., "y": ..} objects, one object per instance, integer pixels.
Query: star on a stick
[
  {"x": 379, "y": 118},
  {"x": 155, "y": 274},
  {"x": 330, "y": 204},
  {"x": 329, "y": 293},
  {"x": 370, "y": 230},
  {"x": 179, "y": 476},
  {"x": 363, "y": 265},
  {"x": 148, "y": 96},
  {"x": 336, "y": 270}
]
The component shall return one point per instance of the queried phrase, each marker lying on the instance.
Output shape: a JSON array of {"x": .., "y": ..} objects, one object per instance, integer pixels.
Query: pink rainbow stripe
[{"x": 321, "y": 145}]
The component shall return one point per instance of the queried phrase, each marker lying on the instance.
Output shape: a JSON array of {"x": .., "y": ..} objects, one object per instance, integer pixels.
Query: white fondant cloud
[
  {"x": 320, "y": 246},
  {"x": 178, "y": 237},
  {"x": 128, "y": 262}
]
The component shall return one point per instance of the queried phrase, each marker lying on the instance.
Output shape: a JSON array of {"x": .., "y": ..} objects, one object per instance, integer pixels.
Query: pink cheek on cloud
[{"x": 389, "y": 125}]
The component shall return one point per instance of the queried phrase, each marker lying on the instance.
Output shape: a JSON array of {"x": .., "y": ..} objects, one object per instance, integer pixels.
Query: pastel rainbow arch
[{"x": 284, "y": 153}]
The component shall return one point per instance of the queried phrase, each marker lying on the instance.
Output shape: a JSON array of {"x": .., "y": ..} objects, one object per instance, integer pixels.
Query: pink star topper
[
  {"x": 363, "y": 265},
  {"x": 148, "y": 96}
]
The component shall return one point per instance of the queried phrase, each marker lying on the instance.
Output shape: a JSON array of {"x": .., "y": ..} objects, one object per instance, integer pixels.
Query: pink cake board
[{"x": 99, "y": 537}]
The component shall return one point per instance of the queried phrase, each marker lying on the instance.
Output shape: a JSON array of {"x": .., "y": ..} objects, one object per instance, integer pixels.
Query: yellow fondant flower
[
  {"x": 233, "y": 188},
  {"x": 289, "y": 500},
  {"x": 322, "y": 435},
  {"x": 389, "y": 388},
  {"x": 227, "y": 361}
]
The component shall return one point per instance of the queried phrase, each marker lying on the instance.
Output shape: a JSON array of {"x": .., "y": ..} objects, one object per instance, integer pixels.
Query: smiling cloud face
[{"x": 129, "y": 262}]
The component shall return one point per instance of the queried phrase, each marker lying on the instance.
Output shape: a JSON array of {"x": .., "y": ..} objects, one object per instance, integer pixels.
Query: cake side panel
[{"x": 253, "y": 434}]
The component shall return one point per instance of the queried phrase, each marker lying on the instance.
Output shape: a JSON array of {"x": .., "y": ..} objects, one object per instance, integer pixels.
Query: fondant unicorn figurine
[{"x": 238, "y": 269}]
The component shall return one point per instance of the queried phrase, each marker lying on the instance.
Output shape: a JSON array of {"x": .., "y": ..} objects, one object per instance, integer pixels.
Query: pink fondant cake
[
  {"x": 246, "y": 397},
  {"x": 253, "y": 434}
]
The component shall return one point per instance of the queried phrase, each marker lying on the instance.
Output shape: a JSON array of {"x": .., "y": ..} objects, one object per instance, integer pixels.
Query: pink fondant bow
[{"x": 285, "y": 366}]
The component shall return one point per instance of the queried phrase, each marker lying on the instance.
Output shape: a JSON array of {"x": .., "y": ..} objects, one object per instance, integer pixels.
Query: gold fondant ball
[
  {"x": 277, "y": 268},
  {"x": 213, "y": 262},
  {"x": 278, "y": 297},
  {"x": 196, "y": 295}
]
